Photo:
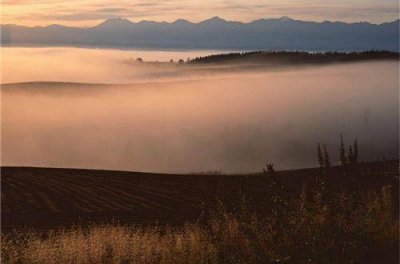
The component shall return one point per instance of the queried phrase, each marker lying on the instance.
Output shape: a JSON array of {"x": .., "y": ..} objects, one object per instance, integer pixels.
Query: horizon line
[{"x": 215, "y": 18}]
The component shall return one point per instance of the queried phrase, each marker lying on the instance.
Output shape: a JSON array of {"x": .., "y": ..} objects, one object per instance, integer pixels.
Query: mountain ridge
[
  {"x": 214, "y": 18},
  {"x": 282, "y": 33}
]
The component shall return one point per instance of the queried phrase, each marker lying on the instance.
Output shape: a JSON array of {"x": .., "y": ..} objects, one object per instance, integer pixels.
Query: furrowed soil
[{"x": 43, "y": 198}]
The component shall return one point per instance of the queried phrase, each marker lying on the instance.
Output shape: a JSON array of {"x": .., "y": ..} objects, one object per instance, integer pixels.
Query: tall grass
[{"x": 313, "y": 227}]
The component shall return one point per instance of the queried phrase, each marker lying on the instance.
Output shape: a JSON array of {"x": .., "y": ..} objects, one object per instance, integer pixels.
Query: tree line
[{"x": 295, "y": 57}]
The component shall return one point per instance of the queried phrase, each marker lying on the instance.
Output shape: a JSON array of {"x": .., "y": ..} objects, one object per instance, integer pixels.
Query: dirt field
[{"x": 47, "y": 197}]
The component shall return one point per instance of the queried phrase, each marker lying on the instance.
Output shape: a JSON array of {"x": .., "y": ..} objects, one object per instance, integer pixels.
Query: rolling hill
[{"x": 50, "y": 197}]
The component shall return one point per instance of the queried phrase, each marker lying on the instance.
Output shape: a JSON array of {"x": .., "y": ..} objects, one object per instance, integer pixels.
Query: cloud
[
  {"x": 112, "y": 10},
  {"x": 93, "y": 15},
  {"x": 78, "y": 17},
  {"x": 76, "y": 11},
  {"x": 33, "y": 2}
]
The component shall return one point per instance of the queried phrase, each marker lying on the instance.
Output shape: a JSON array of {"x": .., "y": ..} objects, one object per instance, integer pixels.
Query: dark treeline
[{"x": 295, "y": 57}]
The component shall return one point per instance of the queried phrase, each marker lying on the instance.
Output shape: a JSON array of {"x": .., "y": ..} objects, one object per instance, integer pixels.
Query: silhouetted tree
[
  {"x": 342, "y": 151},
  {"x": 327, "y": 160},
  {"x": 275, "y": 190},
  {"x": 270, "y": 168},
  {"x": 356, "y": 151},
  {"x": 353, "y": 153},
  {"x": 350, "y": 155},
  {"x": 324, "y": 159},
  {"x": 319, "y": 156}
]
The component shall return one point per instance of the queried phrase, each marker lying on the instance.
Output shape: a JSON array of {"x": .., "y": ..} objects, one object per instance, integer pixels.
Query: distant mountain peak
[
  {"x": 150, "y": 22},
  {"x": 182, "y": 22},
  {"x": 285, "y": 19},
  {"x": 215, "y": 19},
  {"x": 115, "y": 22},
  {"x": 55, "y": 26}
]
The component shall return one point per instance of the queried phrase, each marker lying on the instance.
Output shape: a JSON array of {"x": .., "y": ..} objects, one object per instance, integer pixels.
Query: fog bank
[{"x": 232, "y": 123}]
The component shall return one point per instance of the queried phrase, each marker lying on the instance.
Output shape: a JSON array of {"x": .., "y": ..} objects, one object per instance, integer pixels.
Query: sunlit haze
[{"x": 186, "y": 121}]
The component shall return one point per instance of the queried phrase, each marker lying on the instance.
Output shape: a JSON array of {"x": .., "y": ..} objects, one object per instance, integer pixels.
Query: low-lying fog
[
  {"x": 91, "y": 65},
  {"x": 230, "y": 122}
]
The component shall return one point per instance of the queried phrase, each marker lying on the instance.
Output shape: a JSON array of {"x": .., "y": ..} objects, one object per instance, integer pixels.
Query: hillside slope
[{"x": 46, "y": 197}]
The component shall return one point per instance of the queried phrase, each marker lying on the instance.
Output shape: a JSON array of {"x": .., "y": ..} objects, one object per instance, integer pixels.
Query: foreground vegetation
[{"x": 317, "y": 225}]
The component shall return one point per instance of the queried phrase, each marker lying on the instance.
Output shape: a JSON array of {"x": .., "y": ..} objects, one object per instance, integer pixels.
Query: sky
[{"x": 86, "y": 13}]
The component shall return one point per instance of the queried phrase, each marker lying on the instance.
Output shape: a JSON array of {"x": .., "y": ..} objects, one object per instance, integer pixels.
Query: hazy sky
[{"x": 91, "y": 12}]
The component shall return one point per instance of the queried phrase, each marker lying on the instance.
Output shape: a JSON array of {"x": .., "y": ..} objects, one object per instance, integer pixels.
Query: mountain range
[{"x": 214, "y": 33}]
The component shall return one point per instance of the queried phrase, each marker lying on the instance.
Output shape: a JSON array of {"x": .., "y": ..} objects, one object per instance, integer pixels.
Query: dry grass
[
  {"x": 111, "y": 244},
  {"x": 315, "y": 227}
]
